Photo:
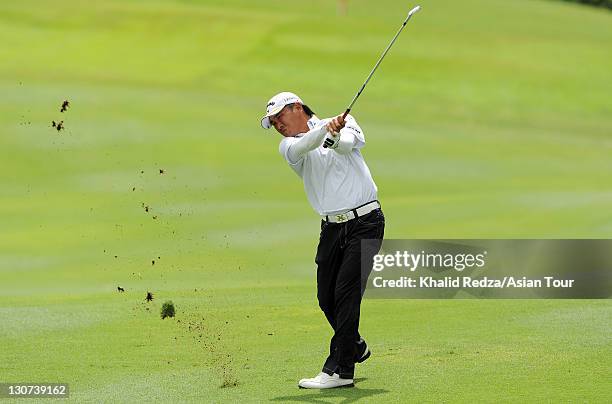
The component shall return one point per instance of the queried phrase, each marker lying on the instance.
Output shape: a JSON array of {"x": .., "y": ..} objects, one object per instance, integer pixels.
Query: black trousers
[{"x": 341, "y": 283}]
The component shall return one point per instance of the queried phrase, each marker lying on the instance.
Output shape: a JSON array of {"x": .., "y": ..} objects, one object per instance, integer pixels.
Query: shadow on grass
[{"x": 350, "y": 394}]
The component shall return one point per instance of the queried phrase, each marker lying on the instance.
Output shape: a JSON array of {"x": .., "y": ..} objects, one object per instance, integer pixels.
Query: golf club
[{"x": 414, "y": 10}]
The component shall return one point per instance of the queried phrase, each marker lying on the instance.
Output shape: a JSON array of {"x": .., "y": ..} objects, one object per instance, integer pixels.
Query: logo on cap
[{"x": 276, "y": 104}]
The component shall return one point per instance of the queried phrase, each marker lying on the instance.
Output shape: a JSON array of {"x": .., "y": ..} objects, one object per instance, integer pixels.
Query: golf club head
[{"x": 414, "y": 10}]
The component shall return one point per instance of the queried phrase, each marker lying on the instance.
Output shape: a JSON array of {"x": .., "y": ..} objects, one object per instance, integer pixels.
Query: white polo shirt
[{"x": 334, "y": 181}]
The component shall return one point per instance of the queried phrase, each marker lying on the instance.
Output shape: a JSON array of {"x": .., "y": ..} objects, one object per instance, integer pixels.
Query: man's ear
[{"x": 298, "y": 107}]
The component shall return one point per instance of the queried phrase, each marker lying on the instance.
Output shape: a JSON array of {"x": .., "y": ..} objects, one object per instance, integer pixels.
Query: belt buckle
[{"x": 341, "y": 218}]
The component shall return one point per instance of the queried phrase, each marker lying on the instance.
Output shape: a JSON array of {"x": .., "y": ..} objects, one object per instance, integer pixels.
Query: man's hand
[
  {"x": 331, "y": 141},
  {"x": 336, "y": 124},
  {"x": 333, "y": 129}
]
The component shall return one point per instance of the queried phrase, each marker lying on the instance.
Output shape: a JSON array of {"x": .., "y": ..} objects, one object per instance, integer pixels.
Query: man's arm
[
  {"x": 303, "y": 144},
  {"x": 349, "y": 137},
  {"x": 346, "y": 143}
]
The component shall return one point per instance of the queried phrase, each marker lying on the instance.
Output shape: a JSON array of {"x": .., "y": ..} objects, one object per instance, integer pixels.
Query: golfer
[{"x": 326, "y": 155}]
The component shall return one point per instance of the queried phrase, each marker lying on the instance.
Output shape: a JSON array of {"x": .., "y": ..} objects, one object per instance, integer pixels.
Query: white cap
[{"x": 276, "y": 104}]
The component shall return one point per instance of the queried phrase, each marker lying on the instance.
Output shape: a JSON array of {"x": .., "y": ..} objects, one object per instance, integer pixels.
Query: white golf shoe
[{"x": 325, "y": 381}]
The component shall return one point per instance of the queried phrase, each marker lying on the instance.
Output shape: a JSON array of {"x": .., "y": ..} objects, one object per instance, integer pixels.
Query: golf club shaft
[{"x": 414, "y": 10}]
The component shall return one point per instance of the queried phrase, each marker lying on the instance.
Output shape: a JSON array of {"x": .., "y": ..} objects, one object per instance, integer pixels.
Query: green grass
[{"x": 487, "y": 119}]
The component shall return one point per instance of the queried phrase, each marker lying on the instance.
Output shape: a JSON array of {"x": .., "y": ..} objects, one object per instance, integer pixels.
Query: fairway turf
[{"x": 487, "y": 119}]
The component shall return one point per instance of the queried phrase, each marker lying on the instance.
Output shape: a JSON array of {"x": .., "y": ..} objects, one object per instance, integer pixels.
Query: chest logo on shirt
[{"x": 353, "y": 128}]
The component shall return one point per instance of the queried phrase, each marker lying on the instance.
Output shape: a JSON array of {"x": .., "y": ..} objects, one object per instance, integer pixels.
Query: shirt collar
[{"x": 313, "y": 121}]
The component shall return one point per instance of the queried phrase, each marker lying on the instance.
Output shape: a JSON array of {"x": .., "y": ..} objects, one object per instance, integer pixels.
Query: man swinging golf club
[{"x": 326, "y": 154}]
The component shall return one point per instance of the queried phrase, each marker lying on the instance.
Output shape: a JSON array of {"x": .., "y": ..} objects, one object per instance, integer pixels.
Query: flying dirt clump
[
  {"x": 167, "y": 309},
  {"x": 58, "y": 125}
]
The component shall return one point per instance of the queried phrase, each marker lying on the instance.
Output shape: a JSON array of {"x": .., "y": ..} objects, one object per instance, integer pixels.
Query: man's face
[{"x": 290, "y": 121}]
